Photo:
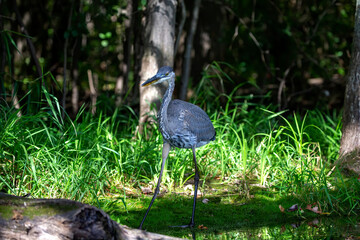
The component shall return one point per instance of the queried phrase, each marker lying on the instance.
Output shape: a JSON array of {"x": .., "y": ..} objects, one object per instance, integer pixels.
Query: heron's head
[{"x": 163, "y": 74}]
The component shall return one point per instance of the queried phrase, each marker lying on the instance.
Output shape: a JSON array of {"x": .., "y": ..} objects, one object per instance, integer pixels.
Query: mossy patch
[
  {"x": 12, "y": 207},
  {"x": 222, "y": 213}
]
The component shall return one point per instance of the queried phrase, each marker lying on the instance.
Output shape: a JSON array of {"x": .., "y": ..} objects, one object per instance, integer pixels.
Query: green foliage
[
  {"x": 89, "y": 157},
  {"x": 52, "y": 157},
  {"x": 267, "y": 158}
]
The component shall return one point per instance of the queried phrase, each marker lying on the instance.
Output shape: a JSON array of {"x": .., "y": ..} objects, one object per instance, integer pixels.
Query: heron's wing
[{"x": 189, "y": 118}]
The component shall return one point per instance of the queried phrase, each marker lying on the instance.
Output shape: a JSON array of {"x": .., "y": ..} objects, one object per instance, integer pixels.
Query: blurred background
[{"x": 290, "y": 54}]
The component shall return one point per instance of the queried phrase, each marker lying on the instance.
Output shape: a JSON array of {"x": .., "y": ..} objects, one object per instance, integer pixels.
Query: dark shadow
[{"x": 255, "y": 217}]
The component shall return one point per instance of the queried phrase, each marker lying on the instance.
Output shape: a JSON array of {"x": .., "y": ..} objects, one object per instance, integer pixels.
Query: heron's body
[{"x": 182, "y": 125}]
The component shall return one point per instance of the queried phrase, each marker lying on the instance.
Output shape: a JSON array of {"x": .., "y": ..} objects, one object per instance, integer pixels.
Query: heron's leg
[
  {"x": 165, "y": 153},
  {"x": 196, "y": 183}
]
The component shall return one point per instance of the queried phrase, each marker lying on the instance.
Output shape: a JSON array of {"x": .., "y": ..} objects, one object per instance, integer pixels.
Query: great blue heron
[{"x": 182, "y": 125}]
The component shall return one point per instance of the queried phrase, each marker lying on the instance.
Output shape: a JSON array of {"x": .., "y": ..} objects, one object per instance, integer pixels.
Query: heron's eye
[{"x": 166, "y": 74}]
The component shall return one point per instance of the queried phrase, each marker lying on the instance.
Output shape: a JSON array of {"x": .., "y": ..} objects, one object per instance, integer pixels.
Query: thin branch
[
  {"x": 283, "y": 84},
  {"x": 253, "y": 38},
  {"x": 322, "y": 15}
]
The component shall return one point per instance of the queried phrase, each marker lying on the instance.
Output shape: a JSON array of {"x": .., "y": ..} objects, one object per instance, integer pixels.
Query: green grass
[{"x": 265, "y": 158}]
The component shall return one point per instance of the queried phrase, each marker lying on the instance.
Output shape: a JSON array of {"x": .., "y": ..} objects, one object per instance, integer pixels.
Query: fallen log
[{"x": 60, "y": 219}]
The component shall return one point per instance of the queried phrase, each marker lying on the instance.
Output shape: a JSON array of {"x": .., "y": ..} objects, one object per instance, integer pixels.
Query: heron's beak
[{"x": 152, "y": 80}]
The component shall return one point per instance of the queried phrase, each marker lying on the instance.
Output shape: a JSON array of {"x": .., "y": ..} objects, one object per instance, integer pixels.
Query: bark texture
[
  {"x": 58, "y": 219},
  {"x": 350, "y": 141},
  {"x": 159, "y": 40}
]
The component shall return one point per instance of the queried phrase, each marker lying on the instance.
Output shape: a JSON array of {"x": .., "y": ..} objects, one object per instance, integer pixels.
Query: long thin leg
[
  {"x": 196, "y": 183},
  {"x": 196, "y": 178},
  {"x": 165, "y": 153}
]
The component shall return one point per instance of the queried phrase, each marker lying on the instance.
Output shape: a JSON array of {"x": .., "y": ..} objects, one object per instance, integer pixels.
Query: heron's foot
[
  {"x": 183, "y": 226},
  {"x": 190, "y": 225}
]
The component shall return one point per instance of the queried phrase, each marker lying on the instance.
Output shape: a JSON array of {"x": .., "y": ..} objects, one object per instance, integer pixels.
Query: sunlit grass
[{"x": 83, "y": 158}]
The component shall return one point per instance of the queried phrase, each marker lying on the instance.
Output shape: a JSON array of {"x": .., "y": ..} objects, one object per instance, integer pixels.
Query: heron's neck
[{"x": 164, "y": 106}]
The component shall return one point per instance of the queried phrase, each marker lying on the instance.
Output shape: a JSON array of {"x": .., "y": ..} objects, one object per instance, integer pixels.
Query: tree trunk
[
  {"x": 14, "y": 98},
  {"x": 159, "y": 40},
  {"x": 2, "y": 61},
  {"x": 25, "y": 218},
  {"x": 187, "y": 55},
  {"x": 350, "y": 141},
  {"x": 75, "y": 86},
  {"x": 75, "y": 75},
  {"x": 28, "y": 39},
  {"x": 181, "y": 26},
  {"x": 63, "y": 102},
  {"x": 122, "y": 81},
  {"x": 93, "y": 85}
]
